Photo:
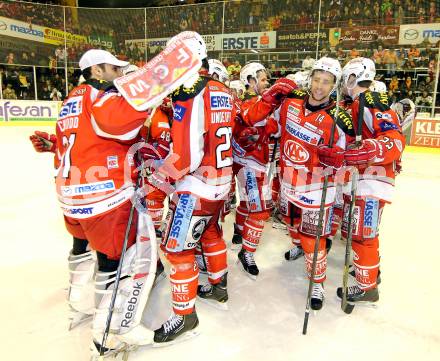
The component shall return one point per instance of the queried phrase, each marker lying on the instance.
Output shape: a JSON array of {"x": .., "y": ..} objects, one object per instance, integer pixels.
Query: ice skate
[
  {"x": 176, "y": 329},
  {"x": 215, "y": 295},
  {"x": 249, "y": 266}
]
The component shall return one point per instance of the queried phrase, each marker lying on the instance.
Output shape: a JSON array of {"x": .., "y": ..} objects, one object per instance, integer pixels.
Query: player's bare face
[
  {"x": 111, "y": 72},
  {"x": 262, "y": 82},
  {"x": 321, "y": 87}
]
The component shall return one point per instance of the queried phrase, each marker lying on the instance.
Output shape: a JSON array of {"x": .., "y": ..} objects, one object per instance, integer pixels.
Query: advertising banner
[
  {"x": 259, "y": 40},
  {"x": 426, "y": 133},
  {"x": 28, "y": 110},
  {"x": 290, "y": 39},
  {"x": 213, "y": 42},
  {"x": 101, "y": 41},
  {"x": 242, "y": 41},
  {"x": 56, "y": 37},
  {"x": 363, "y": 35},
  {"x": 20, "y": 29},
  {"x": 413, "y": 34}
]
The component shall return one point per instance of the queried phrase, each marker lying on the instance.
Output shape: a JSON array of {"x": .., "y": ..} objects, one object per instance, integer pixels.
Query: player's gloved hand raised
[
  {"x": 367, "y": 153},
  {"x": 43, "y": 142},
  {"x": 248, "y": 137},
  {"x": 277, "y": 92},
  {"x": 331, "y": 157}
]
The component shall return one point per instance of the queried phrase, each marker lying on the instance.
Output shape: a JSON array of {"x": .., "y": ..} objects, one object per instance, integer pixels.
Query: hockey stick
[
  {"x": 346, "y": 307},
  {"x": 138, "y": 185},
  {"x": 320, "y": 222}
]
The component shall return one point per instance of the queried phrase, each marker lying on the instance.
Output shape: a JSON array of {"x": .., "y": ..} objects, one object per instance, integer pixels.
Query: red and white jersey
[
  {"x": 381, "y": 123},
  {"x": 201, "y": 156},
  {"x": 95, "y": 130},
  {"x": 251, "y": 109},
  {"x": 302, "y": 130}
]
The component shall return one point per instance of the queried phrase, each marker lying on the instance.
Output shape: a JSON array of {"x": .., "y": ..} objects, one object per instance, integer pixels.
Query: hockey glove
[
  {"x": 159, "y": 151},
  {"x": 43, "y": 142},
  {"x": 248, "y": 137},
  {"x": 277, "y": 92},
  {"x": 366, "y": 153},
  {"x": 331, "y": 157}
]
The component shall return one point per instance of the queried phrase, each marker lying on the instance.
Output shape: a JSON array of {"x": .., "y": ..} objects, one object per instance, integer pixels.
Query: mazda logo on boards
[
  {"x": 411, "y": 34},
  {"x": 3, "y": 25}
]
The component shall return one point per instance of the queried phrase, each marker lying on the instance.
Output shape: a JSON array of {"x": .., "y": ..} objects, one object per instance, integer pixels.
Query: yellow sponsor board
[{"x": 56, "y": 37}]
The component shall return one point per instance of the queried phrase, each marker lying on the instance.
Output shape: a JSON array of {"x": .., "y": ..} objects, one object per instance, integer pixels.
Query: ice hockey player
[
  {"x": 307, "y": 122},
  {"x": 200, "y": 164},
  {"x": 251, "y": 161},
  {"x": 217, "y": 71},
  {"x": 376, "y": 158},
  {"x": 95, "y": 130}
]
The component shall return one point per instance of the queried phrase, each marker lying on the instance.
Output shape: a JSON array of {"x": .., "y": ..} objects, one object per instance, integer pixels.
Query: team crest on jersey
[
  {"x": 179, "y": 112},
  {"x": 296, "y": 152},
  {"x": 112, "y": 162},
  {"x": 72, "y": 107}
]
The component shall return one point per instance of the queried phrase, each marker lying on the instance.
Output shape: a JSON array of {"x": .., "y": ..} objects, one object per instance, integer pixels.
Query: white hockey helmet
[
  {"x": 216, "y": 67},
  {"x": 330, "y": 65},
  {"x": 406, "y": 111},
  {"x": 301, "y": 78},
  {"x": 361, "y": 68},
  {"x": 237, "y": 85},
  {"x": 250, "y": 70},
  {"x": 378, "y": 86},
  {"x": 194, "y": 41}
]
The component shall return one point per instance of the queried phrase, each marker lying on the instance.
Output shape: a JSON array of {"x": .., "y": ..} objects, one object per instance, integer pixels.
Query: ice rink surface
[{"x": 265, "y": 317}]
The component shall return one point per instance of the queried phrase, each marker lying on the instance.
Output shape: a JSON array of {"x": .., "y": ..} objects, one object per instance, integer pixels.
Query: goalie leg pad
[
  {"x": 81, "y": 271},
  {"x": 137, "y": 277}
]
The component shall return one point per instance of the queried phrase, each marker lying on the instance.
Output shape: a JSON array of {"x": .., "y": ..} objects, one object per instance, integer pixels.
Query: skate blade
[
  {"x": 79, "y": 318},
  {"x": 185, "y": 337},
  {"x": 366, "y": 304},
  {"x": 240, "y": 265},
  {"x": 222, "y": 306}
]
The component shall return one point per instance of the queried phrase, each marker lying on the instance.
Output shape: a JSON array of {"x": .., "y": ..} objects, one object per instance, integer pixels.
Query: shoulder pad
[
  {"x": 249, "y": 95},
  {"x": 377, "y": 100},
  {"x": 343, "y": 120},
  {"x": 183, "y": 94},
  {"x": 297, "y": 94}
]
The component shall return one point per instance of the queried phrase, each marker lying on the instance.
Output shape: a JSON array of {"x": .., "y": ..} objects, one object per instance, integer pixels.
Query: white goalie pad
[
  {"x": 81, "y": 287},
  {"x": 137, "y": 278}
]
